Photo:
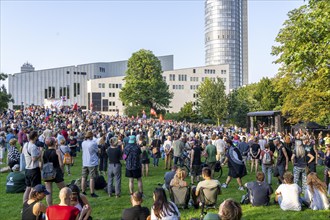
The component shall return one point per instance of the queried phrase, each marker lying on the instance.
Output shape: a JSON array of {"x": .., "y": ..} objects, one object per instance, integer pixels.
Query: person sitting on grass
[
  {"x": 169, "y": 176},
  {"x": 163, "y": 209},
  {"x": 33, "y": 208},
  {"x": 228, "y": 210},
  {"x": 64, "y": 210},
  {"x": 316, "y": 193},
  {"x": 287, "y": 194},
  {"x": 78, "y": 200},
  {"x": 15, "y": 181},
  {"x": 179, "y": 178},
  {"x": 136, "y": 212},
  {"x": 207, "y": 183},
  {"x": 259, "y": 191}
]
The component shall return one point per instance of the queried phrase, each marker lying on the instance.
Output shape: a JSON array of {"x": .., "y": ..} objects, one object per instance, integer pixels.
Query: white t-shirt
[
  {"x": 290, "y": 196},
  {"x": 169, "y": 215},
  {"x": 31, "y": 150},
  {"x": 221, "y": 145},
  {"x": 167, "y": 145}
]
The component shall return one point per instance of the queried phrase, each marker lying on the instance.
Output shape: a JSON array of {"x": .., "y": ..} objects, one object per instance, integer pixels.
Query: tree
[
  {"x": 303, "y": 51},
  {"x": 211, "y": 100},
  {"x": 187, "y": 112},
  {"x": 266, "y": 95},
  {"x": 144, "y": 85},
  {"x": 5, "y": 98}
]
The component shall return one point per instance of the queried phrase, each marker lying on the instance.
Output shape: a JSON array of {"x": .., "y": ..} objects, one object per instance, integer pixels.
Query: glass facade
[{"x": 226, "y": 38}]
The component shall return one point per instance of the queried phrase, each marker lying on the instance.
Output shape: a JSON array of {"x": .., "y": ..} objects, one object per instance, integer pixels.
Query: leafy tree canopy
[
  {"x": 144, "y": 85},
  {"x": 212, "y": 101},
  {"x": 5, "y": 98},
  {"x": 303, "y": 51}
]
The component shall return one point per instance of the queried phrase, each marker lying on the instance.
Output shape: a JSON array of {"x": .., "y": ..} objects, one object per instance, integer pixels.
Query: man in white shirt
[
  {"x": 221, "y": 147},
  {"x": 168, "y": 152},
  {"x": 32, "y": 155},
  {"x": 287, "y": 194}
]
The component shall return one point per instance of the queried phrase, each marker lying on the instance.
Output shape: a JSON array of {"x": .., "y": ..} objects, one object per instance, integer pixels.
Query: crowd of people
[{"x": 44, "y": 142}]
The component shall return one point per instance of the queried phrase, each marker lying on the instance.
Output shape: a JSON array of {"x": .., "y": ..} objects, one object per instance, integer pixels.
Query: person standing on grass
[
  {"x": 178, "y": 147},
  {"x": 90, "y": 162},
  {"x": 195, "y": 162},
  {"x": 32, "y": 155},
  {"x": 114, "y": 170},
  {"x": 287, "y": 194},
  {"x": 244, "y": 148},
  {"x": 211, "y": 153},
  {"x": 267, "y": 162},
  {"x": 155, "y": 147},
  {"x": 168, "y": 152},
  {"x": 327, "y": 165},
  {"x": 255, "y": 154},
  {"x": 282, "y": 161},
  {"x": 133, "y": 164},
  {"x": 54, "y": 156},
  {"x": 145, "y": 159},
  {"x": 65, "y": 149},
  {"x": 299, "y": 161},
  {"x": 236, "y": 165}
]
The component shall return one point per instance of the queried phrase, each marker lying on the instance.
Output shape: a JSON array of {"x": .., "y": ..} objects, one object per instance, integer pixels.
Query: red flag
[
  {"x": 75, "y": 107},
  {"x": 153, "y": 112}
]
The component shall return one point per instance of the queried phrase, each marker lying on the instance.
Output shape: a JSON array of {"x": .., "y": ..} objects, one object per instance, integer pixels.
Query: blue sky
[{"x": 61, "y": 33}]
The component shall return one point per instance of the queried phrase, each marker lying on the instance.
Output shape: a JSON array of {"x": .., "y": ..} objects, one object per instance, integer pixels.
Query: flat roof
[{"x": 263, "y": 113}]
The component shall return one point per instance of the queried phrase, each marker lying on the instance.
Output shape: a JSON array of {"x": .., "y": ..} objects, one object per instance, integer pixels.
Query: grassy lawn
[{"x": 111, "y": 208}]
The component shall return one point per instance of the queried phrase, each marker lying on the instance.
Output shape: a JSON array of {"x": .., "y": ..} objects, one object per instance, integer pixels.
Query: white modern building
[
  {"x": 32, "y": 86},
  {"x": 103, "y": 93},
  {"x": 226, "y": 38}
]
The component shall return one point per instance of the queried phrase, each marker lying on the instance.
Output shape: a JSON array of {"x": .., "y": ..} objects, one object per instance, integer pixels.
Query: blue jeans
[
  {"x": 176, "y": 160},
  {"x": 268, "y": 171},
  {"x": 156, "y": 161}
]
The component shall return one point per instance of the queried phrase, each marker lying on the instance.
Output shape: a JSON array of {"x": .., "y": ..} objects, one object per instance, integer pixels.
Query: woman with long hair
[
  {"x": 179, "y": 178},
  {"x": 103, "y": 146},
  {"x": 299, "y": 161},
  {"x": 316, "y": 193},
  {"x": 163, "y": 209},
  {"x": 79, "y": 200},
  {"x": 53, "y": 155}
]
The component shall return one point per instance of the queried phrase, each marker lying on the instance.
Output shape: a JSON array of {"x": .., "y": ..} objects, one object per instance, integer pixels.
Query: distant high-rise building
[{"x": 226, "y": 38}]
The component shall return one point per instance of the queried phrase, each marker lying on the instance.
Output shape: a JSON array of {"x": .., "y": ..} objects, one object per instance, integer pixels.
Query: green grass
[{"x": 111, "y": 208}]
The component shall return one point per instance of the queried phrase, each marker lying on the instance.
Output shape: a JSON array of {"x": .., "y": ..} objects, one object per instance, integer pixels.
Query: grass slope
[{"x": 106, "y": 208}]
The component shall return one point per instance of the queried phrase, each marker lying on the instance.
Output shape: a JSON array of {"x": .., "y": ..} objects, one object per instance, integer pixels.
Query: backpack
[
  {"x": 267, "y": 159},
  {"x": 48, "y": 172},
  {"x": 100, "y": 182},
  {"x": 67, "y": 159}
]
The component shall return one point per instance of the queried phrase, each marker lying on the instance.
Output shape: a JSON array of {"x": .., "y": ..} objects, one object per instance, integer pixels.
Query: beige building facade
[{"x": 103, "y": 94}]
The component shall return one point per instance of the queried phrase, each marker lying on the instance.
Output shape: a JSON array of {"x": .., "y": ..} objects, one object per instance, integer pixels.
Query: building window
[
  {"x": 164, "y": 78},
  {"x": 83, "y": 73},
  {"x": 46, "y": 92},
  {"x": 223, "y": 71},
  {"x": 78, "y": 88},
  {"x": 67, "y": 72},
  {"x": 194, "y": 70},
  {"x": 74, "y": 89},
  {"x": 68, "y": 92},
  {"x": 74, "y": 73},
  {"x": 103, "y": 94},
  {"x": 102, "y": 69},
  {"x": 112, "y": 94},
  {"x": 103, "y": 85},
  {"x": 172, "y": 77}
]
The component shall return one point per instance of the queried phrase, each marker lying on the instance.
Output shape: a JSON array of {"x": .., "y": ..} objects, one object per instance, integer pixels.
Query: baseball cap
[
  {"x": 41, "y": 188},
  {"x": 131, "y": 139}
]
